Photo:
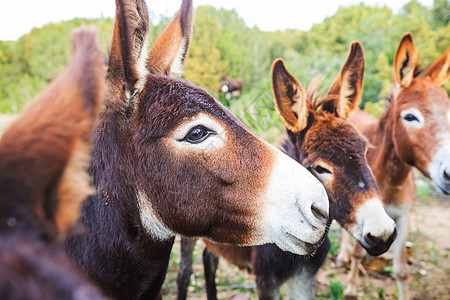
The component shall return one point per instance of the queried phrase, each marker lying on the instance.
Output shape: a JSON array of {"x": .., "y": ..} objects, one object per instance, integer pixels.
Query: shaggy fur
[{"x": 43, "y": 180}]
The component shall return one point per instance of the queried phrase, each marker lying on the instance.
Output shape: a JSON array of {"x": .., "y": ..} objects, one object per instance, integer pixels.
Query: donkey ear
[
  {"x": 349, "y": 85},
  {"x": 439, "y": 72},
  {"x": 44, "y": 154},
  {"x": 405, "y": 61},
  {"x": 74, "y": 186},
  {"x": 168, "y": 52},
  {"x": 126, "y": 65},
  {"x": 290, "y": 100}
]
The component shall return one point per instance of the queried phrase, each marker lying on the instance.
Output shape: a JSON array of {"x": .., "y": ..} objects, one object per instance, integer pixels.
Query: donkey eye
[
  {"x": 321, "y": 170},
  {"x": 410, "y": 118},
  {"x": 198, "y": 134}
]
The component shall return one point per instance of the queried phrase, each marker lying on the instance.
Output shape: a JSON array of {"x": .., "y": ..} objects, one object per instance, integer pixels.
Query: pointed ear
[
  {"x": 168, "y": 52},
  {"x": 46, "y": 150},
  {"x": 128, "y": 53},
  {"x": 439, "y": 72},
  {"x": 347, "y": 89},
  {"x": 405, "y": 61},
  {"x": 290, "y": 99}
]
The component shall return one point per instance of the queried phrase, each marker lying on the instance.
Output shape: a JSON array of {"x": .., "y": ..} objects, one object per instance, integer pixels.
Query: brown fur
[
  {"x": 152, "y": 182},
  {"x": 323, "y": 139},
  {"x": 396, "y": 150},
  {"x": 164, "y": 51},
  {"x": 43, "y": 181}
]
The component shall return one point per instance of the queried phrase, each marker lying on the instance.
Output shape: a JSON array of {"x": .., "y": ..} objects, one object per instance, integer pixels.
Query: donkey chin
[
  {"x": 439, "y": 169},
  {"x": 296, "y": 219},
  {"x": 374, "y": 229}
]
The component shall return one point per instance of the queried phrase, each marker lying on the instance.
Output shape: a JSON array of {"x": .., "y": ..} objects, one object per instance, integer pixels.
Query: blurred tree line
[{"x": 224, "y": 45}]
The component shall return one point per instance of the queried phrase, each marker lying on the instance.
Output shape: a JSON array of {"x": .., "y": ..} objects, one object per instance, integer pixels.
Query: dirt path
[{"x": 428, "y": 258}]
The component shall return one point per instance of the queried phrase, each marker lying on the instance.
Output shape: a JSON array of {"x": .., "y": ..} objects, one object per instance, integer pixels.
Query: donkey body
[
  {"x": 231, "y": 88},
  {"x": 168, "y": 158},
  {"x": 414, "y": 131},
  {"x": 334, "y": 151},
  {"x": 44, "y": 156}
]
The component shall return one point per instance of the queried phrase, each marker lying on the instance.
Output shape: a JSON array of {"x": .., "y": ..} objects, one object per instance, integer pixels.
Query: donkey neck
[
  {"x": 115, "y": 238},
  {"x": 386, "y": 163}
]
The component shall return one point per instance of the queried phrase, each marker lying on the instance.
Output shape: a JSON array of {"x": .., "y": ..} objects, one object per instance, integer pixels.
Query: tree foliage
[{"x": 224, "y": 45}]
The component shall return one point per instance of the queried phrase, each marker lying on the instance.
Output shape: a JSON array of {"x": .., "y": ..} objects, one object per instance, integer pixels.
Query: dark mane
[{"x": 418, "y": 70}]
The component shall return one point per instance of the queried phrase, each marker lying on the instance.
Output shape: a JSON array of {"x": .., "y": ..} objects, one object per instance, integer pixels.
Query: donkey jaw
[
  {"x": 294, "y": 215},
  {"x": 150, "y": 221},
  {"x": 374, "y": 229},
  {"x": 439, "y": 168}
]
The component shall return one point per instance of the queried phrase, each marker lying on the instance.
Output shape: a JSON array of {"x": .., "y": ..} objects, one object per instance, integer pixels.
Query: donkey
[
  {"x": 414, "y": 131},
  {"x": 320, "y": 138},
  {"x": 43, "y": 180},
  {"x": 231, "y": 88},
  {"x": 169, "y": 159}
]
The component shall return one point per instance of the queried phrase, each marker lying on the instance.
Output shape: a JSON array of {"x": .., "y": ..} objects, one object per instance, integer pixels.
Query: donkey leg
[
  {"x": 268, "y": 287},
  {"x": 343, "y": 256},
  {"x": 185, "y": 271},
  {"x": 400, "y": 263},
  {"x": 210, "y": 263},
  {"x": 352, "y": 279},
  {"x": 302, "y": 286}
]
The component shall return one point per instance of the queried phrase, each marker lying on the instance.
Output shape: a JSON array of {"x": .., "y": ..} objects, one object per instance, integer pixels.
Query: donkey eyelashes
[
  {"x": 410, "y": 118},
  {"x": 321, "y": 170},
  {"x": 198, "y": 134}
]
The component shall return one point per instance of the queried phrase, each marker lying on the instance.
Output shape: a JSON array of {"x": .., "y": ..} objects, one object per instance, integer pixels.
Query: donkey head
[
  {"x": 194, "y": 168},
  {"x": 224, "y": 84},
  {"x": 45, "y": 152},
  {"x": 334, "y": 151},
  {"x": 421, "y": 114}
]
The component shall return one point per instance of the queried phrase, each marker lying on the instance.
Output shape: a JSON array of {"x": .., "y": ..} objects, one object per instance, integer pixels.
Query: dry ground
[{"x": 428, "y": 258}]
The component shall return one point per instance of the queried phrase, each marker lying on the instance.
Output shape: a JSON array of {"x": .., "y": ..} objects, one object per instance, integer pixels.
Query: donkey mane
[{"x": 313, "y": 94}]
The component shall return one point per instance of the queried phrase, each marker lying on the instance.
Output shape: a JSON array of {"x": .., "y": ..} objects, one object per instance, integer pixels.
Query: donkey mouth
[
  {"x": 379, "y": 248},
  {"x": 294, "y": 244}
]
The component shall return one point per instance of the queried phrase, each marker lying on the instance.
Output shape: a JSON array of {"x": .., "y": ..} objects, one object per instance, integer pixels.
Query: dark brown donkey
[
  {"x": 44, "y": 156},
  {"x": 168, "y": 158},
  {"x": 231, "y": 88},
  {"x": 321, "y": 139},
  {"x": 414, "y": 131}
]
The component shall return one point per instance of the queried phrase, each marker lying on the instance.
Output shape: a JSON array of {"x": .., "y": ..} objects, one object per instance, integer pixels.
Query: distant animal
[
  {"x": 414, "y": 131},
  {"x": 43, "y": 180},
  {"x": 231, "y": 88},
  {"x": 321, "y": 139},
  {"x": 170, "y": 159}
]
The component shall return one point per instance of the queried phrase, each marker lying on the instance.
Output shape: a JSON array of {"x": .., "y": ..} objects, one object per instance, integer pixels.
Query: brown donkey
[
  {"x": 414, "y": 131},
  {"x": 320, "y": 138},
  {"x": 168, "y": 159},
  {"x": 44, "y": 156}
]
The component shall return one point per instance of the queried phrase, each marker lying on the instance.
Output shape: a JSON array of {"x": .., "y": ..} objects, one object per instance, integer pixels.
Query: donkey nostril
[
  {"x": 371, "y": 240},
  {"x": 319, "y": 213},
  {"x": 446, "y": 176}
]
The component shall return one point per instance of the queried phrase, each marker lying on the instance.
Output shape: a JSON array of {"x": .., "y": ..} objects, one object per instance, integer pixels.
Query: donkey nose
[
  {"x": 371, "y": 240},
  {"x": 317, "y": 213},
  {"x": 321, "y": 213},
  {"x": 377, "y": 245},
  {"x": 446, "y": 175}
]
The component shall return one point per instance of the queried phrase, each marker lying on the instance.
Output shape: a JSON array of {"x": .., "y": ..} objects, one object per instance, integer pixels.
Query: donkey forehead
[
  {"x": 167, "y": 102},
  {"x": 333, "y": 138},
  {"x": 422, "y": 91},
  {"x": 432, "y": 104}
]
